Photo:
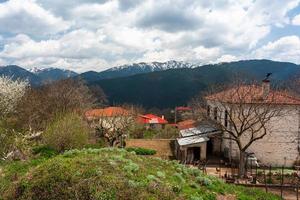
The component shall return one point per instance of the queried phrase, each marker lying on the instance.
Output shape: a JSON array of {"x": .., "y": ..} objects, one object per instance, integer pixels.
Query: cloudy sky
[{"x": 86, "y": 35}]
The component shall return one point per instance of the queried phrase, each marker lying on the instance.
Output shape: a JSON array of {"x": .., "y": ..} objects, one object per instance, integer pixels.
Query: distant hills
[
  {"x": 133, "y": 69},
  {"x": 36, "y": 76},
  {"x": 160, "y": 84},
  {"x": 173, "y": 87}
]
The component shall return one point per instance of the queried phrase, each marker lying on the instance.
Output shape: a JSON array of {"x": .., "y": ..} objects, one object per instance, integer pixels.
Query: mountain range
[{"x": 160, "y": 84}]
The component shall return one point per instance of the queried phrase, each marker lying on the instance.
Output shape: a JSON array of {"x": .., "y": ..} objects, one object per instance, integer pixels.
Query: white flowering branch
[{"x": 11, "y": 92}]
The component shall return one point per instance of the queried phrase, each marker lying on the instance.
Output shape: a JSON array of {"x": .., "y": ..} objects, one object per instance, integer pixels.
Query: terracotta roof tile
[
  {"x": 151, "y": 119},
  {"x": 253, "y": 94},
  {"x": 106, "y": 112}
]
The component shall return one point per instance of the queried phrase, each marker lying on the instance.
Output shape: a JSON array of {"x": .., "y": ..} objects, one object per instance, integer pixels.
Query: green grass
[
  {"x": 141, "y": 151},
  {"x": 112, "y": 174}
]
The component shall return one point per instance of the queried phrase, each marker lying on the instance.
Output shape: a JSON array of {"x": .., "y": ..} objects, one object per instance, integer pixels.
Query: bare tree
[
  {"x": 41, "y": 105},
  {"x": 242, "y": 112},
  {"x": 113, "y": 123}
]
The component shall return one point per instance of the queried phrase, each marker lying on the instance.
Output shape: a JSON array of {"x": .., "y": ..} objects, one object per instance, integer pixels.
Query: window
[
  {"x": 226, "y": 119},
  {"x": 208, "y": 111},
  {"x": 215, "y": 113}
]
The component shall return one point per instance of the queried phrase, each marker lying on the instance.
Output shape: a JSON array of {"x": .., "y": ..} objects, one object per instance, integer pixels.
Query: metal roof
[
  {"x": 191, "y": 140},
  {"x": 202, "y": 129}
]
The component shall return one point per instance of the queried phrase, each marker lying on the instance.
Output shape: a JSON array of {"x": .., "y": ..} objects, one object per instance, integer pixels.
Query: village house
[
  {"x": 152, "y": 121},
  {"x": 195, "y": 143},
  {"x": 110, "y": 117},
  {"x": 280, "y": 146}
]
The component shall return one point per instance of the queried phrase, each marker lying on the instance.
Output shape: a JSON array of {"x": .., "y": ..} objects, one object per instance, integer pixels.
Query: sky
[{"x": 84, "y": 35}]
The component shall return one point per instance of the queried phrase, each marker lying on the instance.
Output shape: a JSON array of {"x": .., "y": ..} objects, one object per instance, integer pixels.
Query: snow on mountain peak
[{"x": 154, "y": 66}]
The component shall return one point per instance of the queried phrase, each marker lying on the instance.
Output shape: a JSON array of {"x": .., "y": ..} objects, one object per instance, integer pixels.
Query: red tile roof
[
  {"x": 190, "y": 123},
  {"x": 253, "y": 94},
  {"x": 106, "y": 112},
  {"x": 182, "y": 108},
  {"x": 151, "y": 119}
]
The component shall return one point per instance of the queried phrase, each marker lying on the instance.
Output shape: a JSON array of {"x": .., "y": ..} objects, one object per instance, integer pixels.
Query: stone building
[{"x": 281, "y": 145}]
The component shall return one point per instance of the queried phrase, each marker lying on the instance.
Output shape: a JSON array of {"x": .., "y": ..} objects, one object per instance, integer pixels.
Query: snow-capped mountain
[
  {"x": 154, "y": 66},
  {"x": 52, "y": 74},
  {"x": 141, "y": 68}
]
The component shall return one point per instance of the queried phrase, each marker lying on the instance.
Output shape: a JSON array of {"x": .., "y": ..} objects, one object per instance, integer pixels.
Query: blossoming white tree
[{"x": 11, "y": 92}]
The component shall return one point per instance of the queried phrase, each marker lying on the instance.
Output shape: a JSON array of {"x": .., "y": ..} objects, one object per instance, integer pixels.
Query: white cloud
[
  {"x": 96, "y": 34},
  {"x": 296, "y": 20},
  {"x": 284, "y": 49},
  {"x": 27, "y": 17},
  {"x": 226, "y": 58}
]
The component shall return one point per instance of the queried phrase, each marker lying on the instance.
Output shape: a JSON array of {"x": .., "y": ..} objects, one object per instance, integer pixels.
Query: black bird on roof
[{"x": 267, "y": 76}]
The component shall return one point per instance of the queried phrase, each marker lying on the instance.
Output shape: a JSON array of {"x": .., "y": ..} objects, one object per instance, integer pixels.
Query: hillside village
[
  {"x": 235, "y": 128},
  {"x": 149, "y": 100}
]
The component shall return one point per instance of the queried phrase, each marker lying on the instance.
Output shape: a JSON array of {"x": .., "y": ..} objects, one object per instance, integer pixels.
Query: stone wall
[
  {"x": 280, "y": 145},
  {"x": 164, "y": 147}
]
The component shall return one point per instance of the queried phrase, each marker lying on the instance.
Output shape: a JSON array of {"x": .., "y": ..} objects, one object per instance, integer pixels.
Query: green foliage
[
  {"x": 203, "y": 180},
  {"x": 87, "y": 174},
  {"x": 66, "y": 132},
  {"x": 141, "y": 151},
  {"x": 168, "y": 132},
  {"x": 44, "y": 151},
  {"x": 160, "y": 174},
  {"x": 131, "y": 167}
]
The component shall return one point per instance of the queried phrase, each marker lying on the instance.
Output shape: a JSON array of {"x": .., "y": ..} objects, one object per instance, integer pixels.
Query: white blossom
[{"x": 11, "y": 92}]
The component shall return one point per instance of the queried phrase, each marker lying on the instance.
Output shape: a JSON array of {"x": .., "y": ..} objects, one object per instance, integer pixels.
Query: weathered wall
[
  {"x": 164, "y": 147},
  {"x": 280, "y": 146}
]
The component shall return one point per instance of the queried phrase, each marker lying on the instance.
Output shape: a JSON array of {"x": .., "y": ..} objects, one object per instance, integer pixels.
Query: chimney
[
  {"x": 163, "y": 117},
  {"x": 265, "y": 88}
]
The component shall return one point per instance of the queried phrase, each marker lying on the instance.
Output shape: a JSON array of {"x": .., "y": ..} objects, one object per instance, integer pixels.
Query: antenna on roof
[{"x": 267, "y": 77}]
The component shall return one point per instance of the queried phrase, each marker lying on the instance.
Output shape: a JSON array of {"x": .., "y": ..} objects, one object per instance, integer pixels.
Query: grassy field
[{"x": 102, "y": 174}]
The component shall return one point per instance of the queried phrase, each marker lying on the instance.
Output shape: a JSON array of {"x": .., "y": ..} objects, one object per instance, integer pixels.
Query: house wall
[
  {"x": 280, "y": 145},
  {"x": 181, "y": 151}
]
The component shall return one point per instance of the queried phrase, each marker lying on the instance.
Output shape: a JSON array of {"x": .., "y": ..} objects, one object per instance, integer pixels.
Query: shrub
[
  {"x": 203, "y": 180},
  {"x": 66, "y": 132},
  {"x": 178, "y": 177},
  {"x": 141, "y": 151},
  {"x": 44, "y": 151},
  {"x": 160, "y": 174},
  {"x": 131, "y": 167}
]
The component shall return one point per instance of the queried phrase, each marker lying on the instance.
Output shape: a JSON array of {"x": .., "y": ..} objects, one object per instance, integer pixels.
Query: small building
[
  {"x": 197, "y": 143},
  {"x": 111, "y": 118},
  {"x": 152, "y": 121}
]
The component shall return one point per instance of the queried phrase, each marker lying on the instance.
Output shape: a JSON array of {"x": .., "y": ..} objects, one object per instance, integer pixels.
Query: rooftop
[
  {"x": 253, "y": 94},
  {"x": 106, "y": 112},
  {"x": 151, "y": 119}
]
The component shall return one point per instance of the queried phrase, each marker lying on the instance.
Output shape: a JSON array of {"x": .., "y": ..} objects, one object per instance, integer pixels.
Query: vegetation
[
  {"x": 112, "y": 174},
  {"x": 40, "y": 106},
  {"x": 66, "y": 132},
  {"x": 168, "y": 132},
  {"x": 141, "y": 151}
]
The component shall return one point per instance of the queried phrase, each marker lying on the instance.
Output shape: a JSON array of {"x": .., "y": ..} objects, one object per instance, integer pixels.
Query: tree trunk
[{"x": 242, "y": 164}]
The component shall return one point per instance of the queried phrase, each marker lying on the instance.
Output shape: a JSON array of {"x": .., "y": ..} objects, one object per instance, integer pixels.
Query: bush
[
  {"x": 66, "y": 132},
  {"x": 44, "y": 151},
  {"x": 141, "y": 151}
]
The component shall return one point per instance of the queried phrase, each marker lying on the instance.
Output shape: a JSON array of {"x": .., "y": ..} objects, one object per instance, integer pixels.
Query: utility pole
[{"x": 175, "y": 112}]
